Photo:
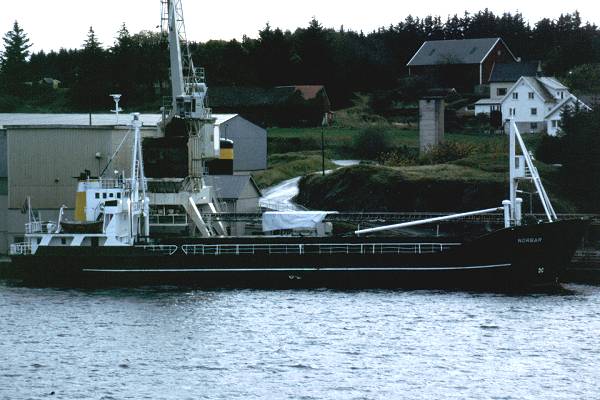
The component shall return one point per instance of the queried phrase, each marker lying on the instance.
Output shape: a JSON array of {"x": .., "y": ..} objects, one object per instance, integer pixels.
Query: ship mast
[{"x": 139, "y": 184}]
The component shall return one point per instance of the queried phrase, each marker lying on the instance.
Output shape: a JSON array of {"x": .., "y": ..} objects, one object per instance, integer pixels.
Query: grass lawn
[
  {"x": 296, "y": 151},
  {"x": 339, "y": 141}
]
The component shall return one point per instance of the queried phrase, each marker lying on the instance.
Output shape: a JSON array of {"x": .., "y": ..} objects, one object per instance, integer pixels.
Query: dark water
[{"x": 174, "y": 344}]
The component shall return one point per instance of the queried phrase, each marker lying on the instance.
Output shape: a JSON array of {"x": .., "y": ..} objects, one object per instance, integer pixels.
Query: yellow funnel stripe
[
  {"x": 226, "y": 154},
  {"x": 80, "y": 203}
]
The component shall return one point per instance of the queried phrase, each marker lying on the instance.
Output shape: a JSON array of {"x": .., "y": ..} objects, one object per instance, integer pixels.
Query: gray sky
[{"x": 64, "y": 23}]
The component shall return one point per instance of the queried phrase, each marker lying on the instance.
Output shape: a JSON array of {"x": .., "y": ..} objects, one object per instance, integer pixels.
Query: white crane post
[{"x": 512, "y": 155}]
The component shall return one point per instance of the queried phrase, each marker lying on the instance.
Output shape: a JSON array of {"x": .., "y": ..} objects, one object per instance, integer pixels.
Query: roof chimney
[{"x": 539, "y": 69}]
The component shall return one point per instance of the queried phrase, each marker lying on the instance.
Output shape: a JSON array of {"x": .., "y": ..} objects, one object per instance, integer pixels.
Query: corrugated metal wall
[
  {"x": 249, "y": 144},
  {"x": 3, "y": 154},
  {"x": 43, "y": 162}
]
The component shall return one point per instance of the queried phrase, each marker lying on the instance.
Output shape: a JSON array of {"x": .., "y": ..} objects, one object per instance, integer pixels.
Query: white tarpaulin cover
[{"x": 277, "y": 220}]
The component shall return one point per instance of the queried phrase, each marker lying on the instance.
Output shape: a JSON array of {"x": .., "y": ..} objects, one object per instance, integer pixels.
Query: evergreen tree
[
  {"x": 581, "y": 149},
  {"x": 13, "y": 61},
  {"x": 123, "y": 61},
  {"x": 92, "y": 82}
]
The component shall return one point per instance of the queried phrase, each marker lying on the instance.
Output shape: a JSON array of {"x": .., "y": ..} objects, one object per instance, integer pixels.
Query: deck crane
[
  {"x": 189, "y": 106},
  {"x": 189, "y": 92}
]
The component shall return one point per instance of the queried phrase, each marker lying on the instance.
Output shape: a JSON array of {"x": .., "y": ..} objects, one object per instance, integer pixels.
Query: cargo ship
[{"x": 111, "y": 245}]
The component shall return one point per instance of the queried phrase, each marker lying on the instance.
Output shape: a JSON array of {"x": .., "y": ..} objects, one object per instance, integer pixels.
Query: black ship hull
[{"x": 514, "y": 258}]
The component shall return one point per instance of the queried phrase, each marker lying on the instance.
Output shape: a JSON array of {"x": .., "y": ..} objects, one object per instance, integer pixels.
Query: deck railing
[
  {"x": 20, "y": 249},
  {"x": 39, "y": 227},
  {"x": 167, "y": 250},
  {"x": 300, "y": 249}
]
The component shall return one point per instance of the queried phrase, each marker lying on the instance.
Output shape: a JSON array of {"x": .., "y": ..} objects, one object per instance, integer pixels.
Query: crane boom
[
  {"x": 188, "y": 87},
  {"x": 177, "y": 83}
]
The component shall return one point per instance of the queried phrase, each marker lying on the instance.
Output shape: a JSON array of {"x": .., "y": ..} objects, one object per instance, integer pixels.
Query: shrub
[
  {"x": 446, "y": 152},
  {"x": 400, "y": 157},
  {"x": 370, "y": 143}
]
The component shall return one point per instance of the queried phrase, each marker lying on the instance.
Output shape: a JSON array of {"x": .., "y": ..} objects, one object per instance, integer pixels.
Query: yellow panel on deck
[
  {"x": 226, "y": 154},
  {"x": 80, "y": 203}
]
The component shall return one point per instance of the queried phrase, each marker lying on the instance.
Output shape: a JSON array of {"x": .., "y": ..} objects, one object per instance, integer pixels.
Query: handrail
[
  {"x": 20, "y": 249},
  {"x": 316, "y": 248},
  {"x": 162, "y": 249}
]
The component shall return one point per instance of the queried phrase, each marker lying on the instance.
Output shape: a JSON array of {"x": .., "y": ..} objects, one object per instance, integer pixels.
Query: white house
[
  {"x": 502, "y": 78},
  {"x": 536, "y": 104}
]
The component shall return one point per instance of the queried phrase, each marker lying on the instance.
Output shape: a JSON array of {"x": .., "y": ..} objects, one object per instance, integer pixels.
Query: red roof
[{"x": 308, "y": 92}]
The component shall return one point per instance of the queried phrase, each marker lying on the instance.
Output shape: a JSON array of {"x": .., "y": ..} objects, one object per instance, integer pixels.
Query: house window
[
  {"x": 501, "y": 92},
  {"x": 118, "y": 195},
  {"x": 534, "y": 111},
  {"x": 103, "y": 195},
  {"x": 533, "y": 126},
  {"x": 516, "y": 95},
  {"x": 111, "y": 195},
  {"x": 562, "y": 95},
  {"x": 554, "y": 123},
  {"x": 97, "y": 195},
  {"x": 512, "y": 112},
  {"x": 530, "y": 95}
]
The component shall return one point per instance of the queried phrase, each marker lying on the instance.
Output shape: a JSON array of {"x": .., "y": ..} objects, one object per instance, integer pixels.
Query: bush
[
  {"x": 400, "y": 157},
  {"x": 370, "y": 143},
  {"x": 446, "y": 152}
]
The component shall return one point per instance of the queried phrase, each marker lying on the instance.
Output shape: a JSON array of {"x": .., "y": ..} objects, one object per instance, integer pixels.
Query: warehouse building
[{"x": 41, "y": 156}]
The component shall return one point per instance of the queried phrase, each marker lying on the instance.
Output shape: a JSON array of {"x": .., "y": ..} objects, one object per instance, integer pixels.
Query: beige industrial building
[{"x": 42, "y": 155}]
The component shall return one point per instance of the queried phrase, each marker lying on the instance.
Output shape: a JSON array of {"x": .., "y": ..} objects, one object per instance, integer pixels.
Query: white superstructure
[{"x": 108, "y": 212}]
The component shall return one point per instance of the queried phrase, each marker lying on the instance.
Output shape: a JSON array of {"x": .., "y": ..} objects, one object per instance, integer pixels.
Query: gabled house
[
  {"x": 502, "y": 78},
  {"x": 536, "y": 104},
  {"x": 461, "y": 64}
]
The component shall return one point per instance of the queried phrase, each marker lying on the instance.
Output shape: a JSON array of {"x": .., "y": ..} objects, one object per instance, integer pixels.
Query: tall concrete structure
[{"x": 431, "y": 122}]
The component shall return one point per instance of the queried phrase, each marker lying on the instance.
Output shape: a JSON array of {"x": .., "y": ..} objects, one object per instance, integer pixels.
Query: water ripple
[{"x": 250, "y": 344}]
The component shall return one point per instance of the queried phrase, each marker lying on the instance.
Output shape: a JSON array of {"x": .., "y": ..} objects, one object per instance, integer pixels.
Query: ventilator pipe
[
  {"x": 506, "y": 206},
  {"x": 518, "y": 213}
]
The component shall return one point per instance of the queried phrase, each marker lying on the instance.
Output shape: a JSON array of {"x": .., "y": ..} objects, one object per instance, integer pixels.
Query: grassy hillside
[
  {"x": 476, "y": 182},
  {"x": 339, "y": 141}
]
